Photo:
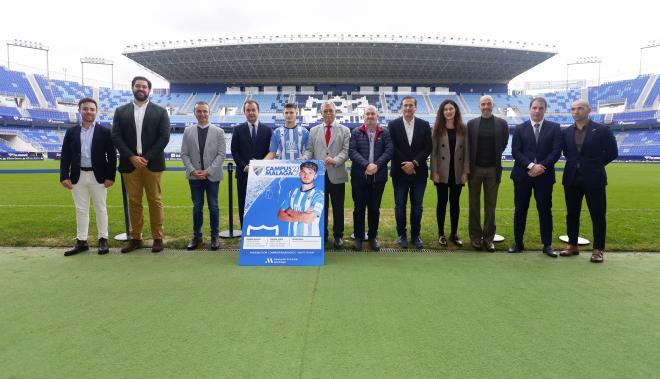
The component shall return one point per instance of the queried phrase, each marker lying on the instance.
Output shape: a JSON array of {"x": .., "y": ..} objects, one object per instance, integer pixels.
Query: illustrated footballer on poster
[{"x": 283, "y": 220}]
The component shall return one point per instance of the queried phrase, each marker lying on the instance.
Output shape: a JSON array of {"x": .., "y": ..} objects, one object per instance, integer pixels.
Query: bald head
[
  {"x": 580, "y": 110},
  {"x": 486, "y": 105},
  {"x": 371, "y": 117}
]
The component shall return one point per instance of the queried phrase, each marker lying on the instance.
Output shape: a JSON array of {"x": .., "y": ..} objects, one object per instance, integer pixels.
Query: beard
[{"x": 140, "y": 96}]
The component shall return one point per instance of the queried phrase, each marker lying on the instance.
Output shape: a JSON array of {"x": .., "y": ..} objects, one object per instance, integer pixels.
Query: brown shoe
[
  {"x": 157, "y": 246},
  {"x": 570, "y": 250},
  {"x": 132, "y": 245},
  {"x": 597, "y": 256}
]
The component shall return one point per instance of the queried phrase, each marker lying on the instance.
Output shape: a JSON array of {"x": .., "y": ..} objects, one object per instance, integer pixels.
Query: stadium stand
[
  {"x": 560, "y": 102},
  {"x": 111, "y": 99},
  {"x": 207, "y": 97},
  {"x": 654, "y": 95},
  {"x": 58, "y": 95},
  {"x": 9, "y": 111},
  {"x": 623, "y": 91},
  {"x": 48, "y": 115},
  {"x": 14, "y": 83},
  {"x": 271, "y": 103},
  {"x": 230, "y": 101},
  {"x": 68, "y": 92},
  {"x": 633, "y": 116},
  {"x": 436, "y": 100},
  {"x": 394, "y": 103}
]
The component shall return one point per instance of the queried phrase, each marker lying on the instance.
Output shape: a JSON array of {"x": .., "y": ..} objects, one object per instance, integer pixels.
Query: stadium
[
  {"x": 433, "y": 313},
  {"x": 34, "y": 111}
]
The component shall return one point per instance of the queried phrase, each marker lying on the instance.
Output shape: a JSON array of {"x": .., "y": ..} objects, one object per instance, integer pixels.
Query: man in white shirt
[
  {"x": 140, "y": 132},
  {"x": 288, "y": 141}
]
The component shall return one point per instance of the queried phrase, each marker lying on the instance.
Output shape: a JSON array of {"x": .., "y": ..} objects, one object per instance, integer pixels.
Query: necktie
[
  {"x": 253, "y": 129},
  {"x": 327, "y": 135},
  {"x": 537, "y": 130}
]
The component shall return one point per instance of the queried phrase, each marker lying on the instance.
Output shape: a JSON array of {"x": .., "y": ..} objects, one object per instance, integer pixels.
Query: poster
[{"x": 283, "y": 220}]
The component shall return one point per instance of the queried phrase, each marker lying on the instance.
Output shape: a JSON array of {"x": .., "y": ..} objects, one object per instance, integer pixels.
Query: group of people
[{"x": 459, "y": 153}]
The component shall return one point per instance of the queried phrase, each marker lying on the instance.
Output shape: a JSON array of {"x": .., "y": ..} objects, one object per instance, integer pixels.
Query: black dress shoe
[
  {"x": 403, "y": 242},
  {"x": 476, "y": 245},
  {"x": 194, "y": 243},
  {"x": 339, "y": 242},
  {"x": 79, "y": 247},
  {"x": 442, "y": 241},
  {"x": 516, "y": 248},
  {"x": 456, "y": 240},
  {"x": 215, "y": 243},
  {"x": 103, "y": 246},
  {"x": 490, "y": 247},
  {"x": 131, "y": 245},
  {"x": 419, "y": 244},
  {"x": 549, "y": 251},
  {"x": 357, "y": 245},
  {"x": 373, "y": 243},
  {"x": 157, "y": 246}
]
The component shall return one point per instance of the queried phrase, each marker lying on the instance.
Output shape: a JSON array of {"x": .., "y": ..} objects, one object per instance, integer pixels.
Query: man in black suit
[
  {"x": 250, "y": 140},
  {"x": 536, "y": 147},
  {"x": 142, "y": 160},
  {"x": 87, "y": 168},
  {"x": 411, "y": 140},
  {"x": 488, "y": 136},
  {"x": 588, "y": 147}
]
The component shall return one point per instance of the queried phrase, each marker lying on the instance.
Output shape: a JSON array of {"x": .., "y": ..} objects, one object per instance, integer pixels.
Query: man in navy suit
[
  {"x": 411, "y": 140},
  {"x": 250, "y": 140},
  {"x": 87, "y": 168},
  {"x": 588, "y": 147},
  {"x": 536, "y": 147}
]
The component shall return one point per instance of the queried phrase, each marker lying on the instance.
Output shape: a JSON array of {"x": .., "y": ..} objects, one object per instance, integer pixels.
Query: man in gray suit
[
  {"x": 329, "y": 142},
  {"x": 488, "y": 137},
  {"x": 203, "y": 153}
]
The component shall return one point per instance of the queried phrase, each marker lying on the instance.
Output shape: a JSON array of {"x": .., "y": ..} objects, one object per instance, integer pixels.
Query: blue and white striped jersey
[
  {"x": 289, "y": 143},
  {"x": 302, "y": 201}
]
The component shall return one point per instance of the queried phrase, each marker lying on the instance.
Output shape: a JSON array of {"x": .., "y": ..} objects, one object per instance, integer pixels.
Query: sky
[{"x": 611, "y": 30}]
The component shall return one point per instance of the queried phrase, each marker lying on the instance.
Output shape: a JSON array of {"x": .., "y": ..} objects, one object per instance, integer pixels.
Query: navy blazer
[
  {"x": 419, "y": 150},
  {"x": 358, "y": 151},
  {"x": 526, "y": 150},
  {"x": 104, "y": 155},
  {"x": 598, "y": 149},
  {"x": 243, "y": 149},
  {"x": 155, "y": 136}
]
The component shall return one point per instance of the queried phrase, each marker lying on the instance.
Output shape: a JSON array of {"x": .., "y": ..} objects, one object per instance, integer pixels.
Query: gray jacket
[
  {"x": 340, "y": 137},
  {"x": 214, "y": 152}
]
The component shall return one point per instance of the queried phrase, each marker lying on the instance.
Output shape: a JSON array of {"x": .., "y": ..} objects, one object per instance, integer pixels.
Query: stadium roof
[{"x": 339, "y": 59}]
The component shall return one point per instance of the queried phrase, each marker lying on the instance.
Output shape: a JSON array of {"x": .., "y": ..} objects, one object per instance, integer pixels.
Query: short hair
[
  {"x": 290, "y": 106},
  {"x": 328, "y": 103},
  {"x": 87, "y": 100},
  {"x": 135, "y": 79},
  {"x": 309, "y": 164},
  {"x": 202, "y": 102},
  {"x": 409, "y": 98},
  {"x": 539, "y": 99},
  {"x": 251, "y": 102}
]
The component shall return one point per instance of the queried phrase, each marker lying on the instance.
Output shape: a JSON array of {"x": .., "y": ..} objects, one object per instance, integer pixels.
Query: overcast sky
[{"x": 613, "y": 30}]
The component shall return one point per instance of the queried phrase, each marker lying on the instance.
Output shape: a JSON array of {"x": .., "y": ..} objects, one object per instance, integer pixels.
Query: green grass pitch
[
  {"x": 36, "y": 211},
  {"x": 391, "y": 314}
]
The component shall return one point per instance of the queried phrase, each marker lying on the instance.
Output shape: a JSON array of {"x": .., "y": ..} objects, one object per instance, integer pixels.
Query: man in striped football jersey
[{"x": 288, "y": 141}]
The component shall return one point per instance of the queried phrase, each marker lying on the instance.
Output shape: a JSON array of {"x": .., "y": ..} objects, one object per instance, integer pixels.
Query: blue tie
[{"x": 253, "y": 130}]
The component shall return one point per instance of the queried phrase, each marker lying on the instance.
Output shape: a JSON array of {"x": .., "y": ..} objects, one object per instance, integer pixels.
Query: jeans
[
  {"x": 366, "y": 195},
  {"x": 197, "y": 189},
  {"x": 404, "y": 186}
]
